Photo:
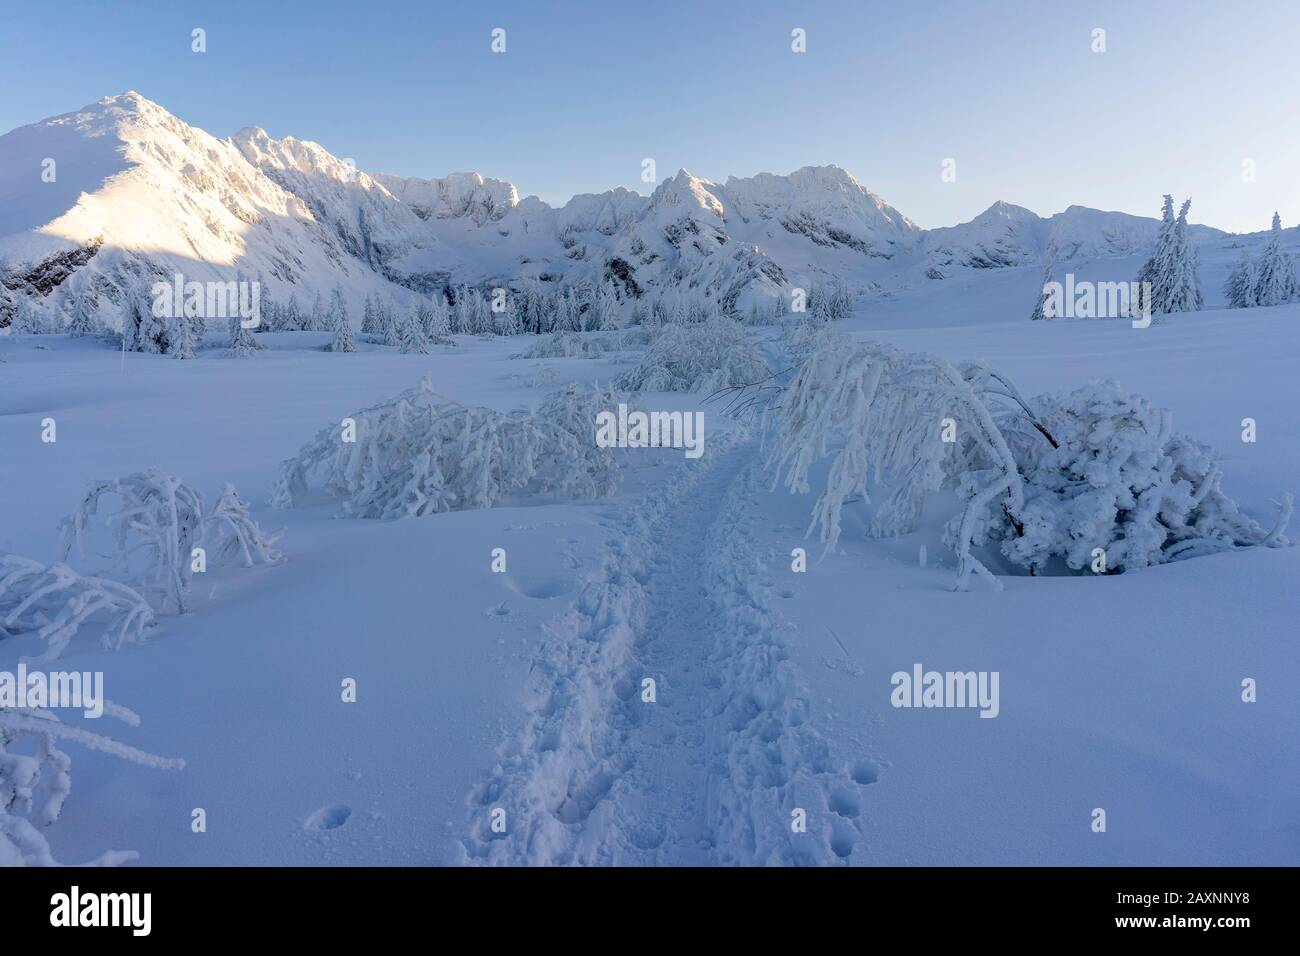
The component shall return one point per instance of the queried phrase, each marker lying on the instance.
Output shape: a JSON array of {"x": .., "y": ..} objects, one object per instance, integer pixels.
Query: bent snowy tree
[{"x": 1100, "y": 470}]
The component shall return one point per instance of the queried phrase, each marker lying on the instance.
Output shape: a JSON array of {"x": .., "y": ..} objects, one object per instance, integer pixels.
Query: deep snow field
[{"x": 478, "y": 690}]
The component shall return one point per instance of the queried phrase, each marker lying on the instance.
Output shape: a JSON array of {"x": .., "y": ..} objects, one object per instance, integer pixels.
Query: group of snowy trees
[
  {"x": 533, "y": 309},
  {"x": 1173, "y": 271},
  {"x": 1169, "y": 281},
  {"x": 1271, "y": 281}
]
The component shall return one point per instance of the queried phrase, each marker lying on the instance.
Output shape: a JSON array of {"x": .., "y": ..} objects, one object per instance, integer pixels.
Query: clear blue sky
[{"x": 1011, "y": 90}]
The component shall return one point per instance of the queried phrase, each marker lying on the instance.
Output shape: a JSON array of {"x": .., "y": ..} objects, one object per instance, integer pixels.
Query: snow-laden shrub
[
  {"x": 545, "y": 376},
  {"x": 51, "y": 602},
  {"x": 159, "y": 522},
  {"x": 637, "y": 336},
  {"x": 802, "y": 333},
  {"x": 34, "y": 784},
  {"x": 697, "y": 358},
  {"x": 1098, "y": 469},
  {"x": 566, "y": 344},
  {"x": 234, "y": 536},
  {"x": 1119, "y": 481},
  {"x": 160, "y": 517},
  {"x": 420, "y": 454},
  {"x": 574, "y": 466}
]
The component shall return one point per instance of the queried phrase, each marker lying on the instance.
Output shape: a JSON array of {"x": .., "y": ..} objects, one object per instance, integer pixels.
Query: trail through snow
[{"x": 723, "y": 766}]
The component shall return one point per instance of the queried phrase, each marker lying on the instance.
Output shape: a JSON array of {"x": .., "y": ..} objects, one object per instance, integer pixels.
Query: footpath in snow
[{"x": 667, "y": 726}]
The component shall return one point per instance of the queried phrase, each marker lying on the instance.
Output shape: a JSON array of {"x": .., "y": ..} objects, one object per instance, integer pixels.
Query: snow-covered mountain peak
[
  {"x": 1003, "y": 210},
  {"x": 473, "y": 195},
  {"x": 685, "y": 189}
]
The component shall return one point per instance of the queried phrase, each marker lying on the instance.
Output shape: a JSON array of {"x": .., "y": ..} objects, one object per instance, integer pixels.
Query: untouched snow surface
[{"x": 523, "y": 691}]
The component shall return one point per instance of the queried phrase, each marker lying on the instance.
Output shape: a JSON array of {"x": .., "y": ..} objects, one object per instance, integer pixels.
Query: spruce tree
[
  {"x": 1155, "y": 270},
  {"x": 1275, "y": 281},
  {"x": 1239, "y": 289},
  {"x": 369, "y": 318},
  {"x": 293, "y": 321},
  {"x": 410, "y": 336},
  {"x": 319, "y": 321},
  {"x": 438, "y": 329},
  {"x": 181, "y": 339},
  {"x": 1184, "y": 293},
  {"x": 1044, "y": 294},
  {"x": 83, "y": 322},
  {"x": 391, "y": 323},
  {"x": 23, "y": 320},
  {"x": 242, "y": 343},
  {"x": 339, "y": 324}
]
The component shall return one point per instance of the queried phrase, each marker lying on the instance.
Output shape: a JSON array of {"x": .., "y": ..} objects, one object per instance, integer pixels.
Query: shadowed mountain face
[{"x": 134, "y": 192}]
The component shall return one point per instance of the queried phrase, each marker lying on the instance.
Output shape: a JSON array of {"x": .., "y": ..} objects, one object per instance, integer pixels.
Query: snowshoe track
[{"x": 712, "y": 771}]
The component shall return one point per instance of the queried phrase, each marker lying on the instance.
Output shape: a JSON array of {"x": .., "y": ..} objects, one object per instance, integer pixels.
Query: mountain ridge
[{"x": 151, "y": 194}]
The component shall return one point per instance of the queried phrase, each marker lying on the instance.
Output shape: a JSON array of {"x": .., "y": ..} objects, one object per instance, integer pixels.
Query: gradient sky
[{"x": 1011, "y": 90}]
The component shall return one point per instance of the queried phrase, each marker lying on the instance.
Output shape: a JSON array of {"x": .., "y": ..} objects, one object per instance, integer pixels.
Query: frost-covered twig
[
  {"x": 51, "y": 602},
  {"x": 34, "y": 786}
]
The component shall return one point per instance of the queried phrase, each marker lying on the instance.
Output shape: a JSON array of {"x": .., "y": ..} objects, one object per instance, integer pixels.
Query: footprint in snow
[
  {"x": 328, "y": 818},
  {"x": 539, "y": 587}
]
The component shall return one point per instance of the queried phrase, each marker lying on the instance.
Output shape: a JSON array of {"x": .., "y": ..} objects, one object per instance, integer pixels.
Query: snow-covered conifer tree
[
  {"x": 242, "y": 343},
  {"x": 437, "y": 327},
  {"x": 461, "y": 315},
  {"x": 1173, "y": 270},
  {"x": 1239, "y": 289},
  {"x": 508, "y": 321},
  {"x": 1275, "y": 281},
  {"x": 531, "y": 311},
  {"x": 181, "y": 339},
  {"x": 481, "y": 314},
  {"x": 148, "y": 331},
  {"x": 369, "y": 319},
  {"x": 567, "y": 318},
  {"x": 1184, "y": 290},
  {"x": 340, "y": 326},
  {"x": 410, "y": 336},
  {"x": 319, "y": 321},
  {"x": 23, "y": 321},
  {"x": 1040, "y": 309},
  {"x": 293, "y": 318},
  {"x": 1155, "y": 269},
  {"x": 390, "y": 318},
  {"x": 83, "y": 321},
  {"x": 606, "y": 308}
]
